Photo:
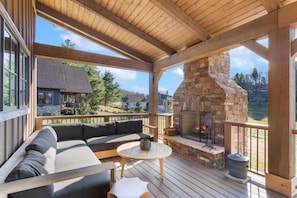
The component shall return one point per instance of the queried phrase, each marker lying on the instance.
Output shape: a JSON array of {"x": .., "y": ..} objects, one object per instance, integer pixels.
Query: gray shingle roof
[{"x": 52, "y": 74}]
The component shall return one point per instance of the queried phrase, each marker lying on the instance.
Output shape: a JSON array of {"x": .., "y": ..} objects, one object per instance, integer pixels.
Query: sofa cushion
[
  {"x": 32, "y": 165},
  {"x": 68, "y": 131},
  {"x": 129, "y": 126},
  {"x": 45, "y": 142},
  {"x": 113, "y": 141},
  {"x": 97, "y": 130},
  {"x": 96, "y": 185}
]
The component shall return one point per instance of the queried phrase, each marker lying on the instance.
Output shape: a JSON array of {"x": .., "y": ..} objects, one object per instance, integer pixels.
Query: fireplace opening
[{"x": 198, "y": 126}]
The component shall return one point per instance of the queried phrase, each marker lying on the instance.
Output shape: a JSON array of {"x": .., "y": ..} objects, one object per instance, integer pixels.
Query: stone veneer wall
[{"x": 207, "y": 87}]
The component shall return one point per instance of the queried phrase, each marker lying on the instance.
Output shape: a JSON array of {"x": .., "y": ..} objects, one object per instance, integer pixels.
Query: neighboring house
[
  {"x": 165, "y": 103},
  {"x": 60, "y": 87}
]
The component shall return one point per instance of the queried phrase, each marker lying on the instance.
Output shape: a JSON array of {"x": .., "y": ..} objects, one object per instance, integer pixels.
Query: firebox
[{"x": 198, "y": 126}]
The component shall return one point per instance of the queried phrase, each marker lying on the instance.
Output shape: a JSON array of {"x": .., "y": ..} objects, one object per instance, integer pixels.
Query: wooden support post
[
  {"x": 153, "y": 97},
  {"x": 229, "y": 139},
  {"x": 281, "y": 114}
]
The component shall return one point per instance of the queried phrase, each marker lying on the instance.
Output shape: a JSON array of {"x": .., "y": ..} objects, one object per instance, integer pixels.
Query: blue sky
[{"x": 242, "y": 60}]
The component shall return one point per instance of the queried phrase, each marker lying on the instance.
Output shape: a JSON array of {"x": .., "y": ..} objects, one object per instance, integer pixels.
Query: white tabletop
[{"x": 132, "y": 150}]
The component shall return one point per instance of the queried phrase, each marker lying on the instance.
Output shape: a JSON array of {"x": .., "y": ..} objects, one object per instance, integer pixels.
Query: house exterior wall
[{"x": 17, "y": 123}]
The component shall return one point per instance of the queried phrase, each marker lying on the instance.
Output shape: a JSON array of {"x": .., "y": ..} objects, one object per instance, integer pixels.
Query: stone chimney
[{"x": 207, "y": 87}]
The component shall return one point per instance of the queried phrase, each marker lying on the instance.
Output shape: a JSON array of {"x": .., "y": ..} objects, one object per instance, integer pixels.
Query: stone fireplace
[{"x": 208, "y": 89}]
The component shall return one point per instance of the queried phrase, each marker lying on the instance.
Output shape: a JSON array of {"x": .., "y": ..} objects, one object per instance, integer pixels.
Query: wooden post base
[{"x": 281, "y": 185}]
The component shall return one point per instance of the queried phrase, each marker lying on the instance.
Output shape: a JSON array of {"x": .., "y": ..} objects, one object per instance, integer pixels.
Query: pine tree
[{"x": 112, "y": 90}]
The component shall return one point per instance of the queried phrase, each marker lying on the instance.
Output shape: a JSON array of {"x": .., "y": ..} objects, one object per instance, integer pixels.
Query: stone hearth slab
[{"x": 213, "y": 157}]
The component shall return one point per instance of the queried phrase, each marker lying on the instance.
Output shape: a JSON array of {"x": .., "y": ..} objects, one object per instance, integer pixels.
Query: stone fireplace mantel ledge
[{"x": 197, "y": 145}]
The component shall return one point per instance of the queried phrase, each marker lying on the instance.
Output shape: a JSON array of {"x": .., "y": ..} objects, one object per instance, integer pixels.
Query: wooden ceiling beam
[
  {"x": 252, "y": 30},
  {"x": 76, "y": 27},
  {"x": 270, "y": 5},
  {"x": 257, "y": 48},
  {"x": 71, "y": 55},
  {"x": 182, "y": 18},
  {"x": 99, "y": 10},
  {"x": 287, "y": 15}
]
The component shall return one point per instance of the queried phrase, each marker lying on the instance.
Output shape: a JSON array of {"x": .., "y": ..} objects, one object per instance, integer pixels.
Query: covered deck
[{"x": 155, "y": 36}]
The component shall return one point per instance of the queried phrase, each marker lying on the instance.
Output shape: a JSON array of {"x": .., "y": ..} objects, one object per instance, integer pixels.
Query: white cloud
[
  {"x": 179, "y": 71},
  {"x": 139, "y": 89},
  {"x": 121, "y": 76},
  {"x": 84, "y": 44},
  {"x": 162, "y": 89},
  {"x": 81, "y": 42},
  {"x": 245, "y": 60}
]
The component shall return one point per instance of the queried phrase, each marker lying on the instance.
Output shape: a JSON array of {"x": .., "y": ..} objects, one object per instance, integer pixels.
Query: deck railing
[
  {"x": 250, "y": 140},
  {"x": 164, "y": 120}
]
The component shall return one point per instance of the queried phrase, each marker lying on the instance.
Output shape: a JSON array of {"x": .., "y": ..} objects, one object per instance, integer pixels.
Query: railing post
[
  {"x": 229, "y": 139},
  {"x": 168, "y": 121},
  {"x": 38, "y": 123}
]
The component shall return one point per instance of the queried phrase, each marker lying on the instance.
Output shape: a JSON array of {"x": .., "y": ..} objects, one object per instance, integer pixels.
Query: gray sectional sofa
[{"x": 59, "y": 148}]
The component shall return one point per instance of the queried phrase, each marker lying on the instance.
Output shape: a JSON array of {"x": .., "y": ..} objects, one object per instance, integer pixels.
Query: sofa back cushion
[
  {"x": 97, "y": 130},
  {"x": 68, "y": 131},
  {"x": 45, "y": 143},
  {"x": 32, "y": 165},
  {"x": 129, "y": 126}
]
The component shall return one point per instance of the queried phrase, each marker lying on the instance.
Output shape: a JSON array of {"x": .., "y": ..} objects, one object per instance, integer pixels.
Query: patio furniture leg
[
  {"x": 161, "y": 168},
  {"x": 123, "y": 166}
]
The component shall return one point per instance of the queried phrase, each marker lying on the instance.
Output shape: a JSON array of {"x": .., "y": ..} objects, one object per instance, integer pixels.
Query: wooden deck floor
[{"x": 185, "y": 178}]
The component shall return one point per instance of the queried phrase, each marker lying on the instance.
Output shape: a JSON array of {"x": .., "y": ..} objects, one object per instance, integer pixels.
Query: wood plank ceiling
[{"x": 153, "y": 30}]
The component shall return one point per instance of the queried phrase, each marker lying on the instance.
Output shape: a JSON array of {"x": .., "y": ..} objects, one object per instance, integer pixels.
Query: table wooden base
[{"x": 161, "y": 161}]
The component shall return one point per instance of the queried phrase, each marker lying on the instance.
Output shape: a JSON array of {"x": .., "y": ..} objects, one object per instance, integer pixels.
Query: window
[
  {"x": 14, "y": 71},
  {"x": 10, "y": 70},
  {"x": 24, "y": 85},
  {"x": 45, "y": 98}
]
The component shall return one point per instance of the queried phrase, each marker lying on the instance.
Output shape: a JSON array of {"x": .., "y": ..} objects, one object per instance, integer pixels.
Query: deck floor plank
[{"x": 186, "y": 178}]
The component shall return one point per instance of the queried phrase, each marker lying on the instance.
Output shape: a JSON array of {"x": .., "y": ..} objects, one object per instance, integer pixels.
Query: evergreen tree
[
  {"x": 138, "y": 108},
  {"x": 112, "y": 90}
]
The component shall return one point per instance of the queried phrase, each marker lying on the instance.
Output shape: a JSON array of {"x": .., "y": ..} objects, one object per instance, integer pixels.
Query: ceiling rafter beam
[
  {"x": 182, "y": 18},
  {"x": 270, "y": 5},
  {"x": 257, "y": 48},
  {"x": 287, "y": 15},
  {"x": 252, "y": 30},
  {"x": 76, "y": 27},
  {"x": 71, "y": 55},
  {"x": 99, "y": 10}
]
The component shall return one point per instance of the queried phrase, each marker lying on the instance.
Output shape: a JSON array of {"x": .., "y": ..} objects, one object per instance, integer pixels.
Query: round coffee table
[{"x": 132, "y": 150}]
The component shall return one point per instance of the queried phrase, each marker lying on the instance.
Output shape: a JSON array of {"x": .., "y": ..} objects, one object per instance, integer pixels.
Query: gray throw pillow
[{"x": 31, "y": 166}]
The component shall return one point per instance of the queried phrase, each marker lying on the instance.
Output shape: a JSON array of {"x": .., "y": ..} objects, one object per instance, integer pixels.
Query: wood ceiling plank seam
[
  {"x": 235, "y": 22},
  {"x": 126, "y": 8},
  {"x": 155, "y": 21},
  {"x": 118, "y": 9},
  {"x": 141, "y": 17},
  {"x": 187, "y": 5},
  {"x": 125, "y": 25},
  {"x": 234, "y": 17},
  {"x": 182, "y": 18},
  {"x": 173, "y": 31},
  {"x": 196, "y": 8},
  {"x": 226, "y": 15},
  {"x": 209, "y": 9},
  {"x": 92, "y": 20},
  {"x": 145, "y": 20},
  {"x": 239, "y": 23},
  {"x": 98, "y": 37},
  {"x": 219, "y": 15},
  {"x": 109, "y": 6},
  {"x": 70, "y": 10},
  {"x": 138, "y": 14}
]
